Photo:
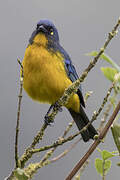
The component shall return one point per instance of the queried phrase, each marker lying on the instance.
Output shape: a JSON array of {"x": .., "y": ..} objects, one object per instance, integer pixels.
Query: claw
[{"x": 47, "y": 120}]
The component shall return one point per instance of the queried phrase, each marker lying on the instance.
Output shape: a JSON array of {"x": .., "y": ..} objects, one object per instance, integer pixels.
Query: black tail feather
[{"x": 82, "y": 120}]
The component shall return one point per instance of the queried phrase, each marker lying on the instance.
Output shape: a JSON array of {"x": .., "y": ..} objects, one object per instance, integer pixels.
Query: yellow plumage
[{"x": 45, "y": 78}]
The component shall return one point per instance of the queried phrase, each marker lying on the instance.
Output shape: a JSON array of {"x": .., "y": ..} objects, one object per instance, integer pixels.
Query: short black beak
[{"x": 41, "y": 28}]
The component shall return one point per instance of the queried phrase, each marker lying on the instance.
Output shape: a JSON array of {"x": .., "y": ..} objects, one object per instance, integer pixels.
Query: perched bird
[{"x": 48, "y": 71}]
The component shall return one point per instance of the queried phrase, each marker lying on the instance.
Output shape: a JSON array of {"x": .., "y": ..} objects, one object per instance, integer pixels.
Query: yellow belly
[{"x": 45, "y": 78}]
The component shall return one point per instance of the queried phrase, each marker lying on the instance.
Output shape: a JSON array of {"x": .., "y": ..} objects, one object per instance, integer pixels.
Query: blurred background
[{"x": 83, "y": 26}]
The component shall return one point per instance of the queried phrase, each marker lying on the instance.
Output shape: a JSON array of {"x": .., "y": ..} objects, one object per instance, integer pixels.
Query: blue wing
[{"x": 71, "y": 72}]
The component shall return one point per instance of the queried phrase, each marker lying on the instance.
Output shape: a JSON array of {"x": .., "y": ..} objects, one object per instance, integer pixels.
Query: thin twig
[
  {"x": 18, "y": 114},
  {"x": 87, "y": 95},
  {"x": 55, "y": 144},
  {"x": 77, "y": 177},
  {"x": 68, "y": 128},
  {"x": 96, "y": 114},
  {"x": 95, "y": 144},
  {"x": 105, "y": 115},
  {"x": 65, "y": 151}
]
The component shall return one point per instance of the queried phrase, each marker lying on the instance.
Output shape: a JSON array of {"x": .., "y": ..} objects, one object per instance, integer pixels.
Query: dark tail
[{"x": 82, "y": 120}]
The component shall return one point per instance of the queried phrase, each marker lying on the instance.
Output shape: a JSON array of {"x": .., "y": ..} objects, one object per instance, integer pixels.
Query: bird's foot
[{"x": 48, "y": 120}]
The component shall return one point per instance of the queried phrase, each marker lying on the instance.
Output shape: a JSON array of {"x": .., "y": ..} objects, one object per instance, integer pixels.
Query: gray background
[{"x": 83, "y": 26}]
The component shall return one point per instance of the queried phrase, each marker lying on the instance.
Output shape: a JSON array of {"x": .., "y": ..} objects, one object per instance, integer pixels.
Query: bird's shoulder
[{"x": 70, "y": 70}]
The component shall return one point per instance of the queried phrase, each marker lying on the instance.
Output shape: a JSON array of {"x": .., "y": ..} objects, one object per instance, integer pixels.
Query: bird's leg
[
  {"x": 47, "y": 118},
  {"x": 55, "y": 106}
]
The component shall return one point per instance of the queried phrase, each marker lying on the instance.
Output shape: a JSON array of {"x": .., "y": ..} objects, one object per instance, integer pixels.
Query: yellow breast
[
  {"x": 45, "y": 78},
  {"x": 44, "y": 74}
]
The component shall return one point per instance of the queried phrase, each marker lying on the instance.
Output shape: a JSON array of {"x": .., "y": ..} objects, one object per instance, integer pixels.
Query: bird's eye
[{"x": 52, "y": 33}]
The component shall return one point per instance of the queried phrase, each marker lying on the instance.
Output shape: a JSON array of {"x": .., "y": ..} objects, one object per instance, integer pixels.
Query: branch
[
  {"x": 96, "y": 114},
  {"x": 105, "y": 115},
  {"x": 95, "y": 144},
  {"x": 65, "y": 151},
  {"x": 18, "y": 114},
  {"x": 55, "y": 144},
  {"x": 77, "y": 177}
]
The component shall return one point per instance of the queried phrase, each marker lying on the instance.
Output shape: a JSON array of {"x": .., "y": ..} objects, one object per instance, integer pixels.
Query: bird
[{"x": 48, "y": 71}]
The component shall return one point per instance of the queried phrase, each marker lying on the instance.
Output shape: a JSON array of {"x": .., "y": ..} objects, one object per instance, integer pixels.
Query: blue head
[{"x": 47, "y": 28}]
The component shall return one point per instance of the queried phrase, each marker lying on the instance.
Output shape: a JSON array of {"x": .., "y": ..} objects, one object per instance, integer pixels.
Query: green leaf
[
  {"x": 106, "y": 58},
  {"x": 20, "y": 174},
  {"x": 107, "y": 166},
  {"x": 109, "y": 73},
  {"x": 115, "y": 128},
  {"x": 99, "y": 166},
  {"x": 106, "y": 154}
]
